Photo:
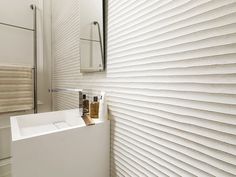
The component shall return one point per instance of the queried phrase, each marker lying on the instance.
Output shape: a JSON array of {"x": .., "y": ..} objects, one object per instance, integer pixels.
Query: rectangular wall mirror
[{"x": 92, "y": 35}]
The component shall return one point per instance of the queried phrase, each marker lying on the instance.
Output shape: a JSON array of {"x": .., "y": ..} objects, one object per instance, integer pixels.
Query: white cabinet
[
  {"x": 5, "y": 168},
  {"x": 59, "y": 144},
  {"x": 5, "y": 137}
]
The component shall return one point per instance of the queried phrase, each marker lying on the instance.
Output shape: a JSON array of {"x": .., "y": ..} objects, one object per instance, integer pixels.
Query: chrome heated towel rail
[{"x": 34, "y": 8}]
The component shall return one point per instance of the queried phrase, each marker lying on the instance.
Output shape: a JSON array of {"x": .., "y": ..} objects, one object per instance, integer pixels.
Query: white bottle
[{"x": 103, "y": 112}]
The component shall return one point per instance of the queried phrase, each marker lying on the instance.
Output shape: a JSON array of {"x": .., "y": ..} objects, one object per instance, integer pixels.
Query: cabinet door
[
  {"x": 5, "y": 137},
  {"x": 5, "y": 168}
]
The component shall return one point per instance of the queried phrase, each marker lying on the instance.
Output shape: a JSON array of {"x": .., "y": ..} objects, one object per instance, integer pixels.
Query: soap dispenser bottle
[
  {"x": 103, "y": 113},
  {"x": 85, "y": 104},
  {"x": 94, "y": 108}
]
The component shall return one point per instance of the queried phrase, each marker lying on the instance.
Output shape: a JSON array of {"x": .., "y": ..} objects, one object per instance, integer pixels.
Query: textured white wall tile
[{"x": 170, "y": 81}]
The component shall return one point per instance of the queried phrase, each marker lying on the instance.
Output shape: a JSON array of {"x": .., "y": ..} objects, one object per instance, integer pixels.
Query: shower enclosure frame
[{"x": 35, "y": 68}]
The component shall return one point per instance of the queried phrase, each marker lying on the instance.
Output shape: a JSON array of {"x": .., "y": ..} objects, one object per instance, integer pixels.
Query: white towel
[{"x": 16, "y": 88}]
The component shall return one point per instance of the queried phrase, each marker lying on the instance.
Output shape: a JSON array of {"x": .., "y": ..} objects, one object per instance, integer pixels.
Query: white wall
[
  {"x": 170, "y": 81},
  {"x": 16, "y": 48},
  {"x": 65, "y": 52},
  {"x": 16, "y": 44}
]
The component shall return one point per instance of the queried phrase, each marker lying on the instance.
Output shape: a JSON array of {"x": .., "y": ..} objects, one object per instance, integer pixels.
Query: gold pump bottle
[{"x": 94, "y": 108}]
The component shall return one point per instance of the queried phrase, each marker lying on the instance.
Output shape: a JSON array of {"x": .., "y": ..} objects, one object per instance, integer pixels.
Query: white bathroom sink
[
  {"x": 59, "y": 144},
  {"x": 38, "y": 124}
]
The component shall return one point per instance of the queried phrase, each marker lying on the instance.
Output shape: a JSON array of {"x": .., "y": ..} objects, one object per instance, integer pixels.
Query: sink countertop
[{"x": 26, "y": 126}]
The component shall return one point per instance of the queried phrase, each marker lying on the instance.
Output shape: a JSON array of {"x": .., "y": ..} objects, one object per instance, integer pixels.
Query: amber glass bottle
[
  {"x": 94, "y": 107},
  {"x": 85, "y": 105}
]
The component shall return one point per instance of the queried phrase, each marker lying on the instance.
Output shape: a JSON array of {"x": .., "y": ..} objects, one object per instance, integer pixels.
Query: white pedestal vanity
[{"x": 59, "y": 144}]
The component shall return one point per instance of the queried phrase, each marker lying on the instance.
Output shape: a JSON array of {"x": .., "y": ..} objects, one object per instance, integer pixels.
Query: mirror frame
[{"x": 105, "y": 20}]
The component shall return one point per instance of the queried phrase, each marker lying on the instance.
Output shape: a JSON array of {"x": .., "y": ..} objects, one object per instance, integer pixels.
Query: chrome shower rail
[
  {"x": 89, "y": 40},
  {"x": 16, "y": 26},
  {"x": 100, "y": 39}
]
